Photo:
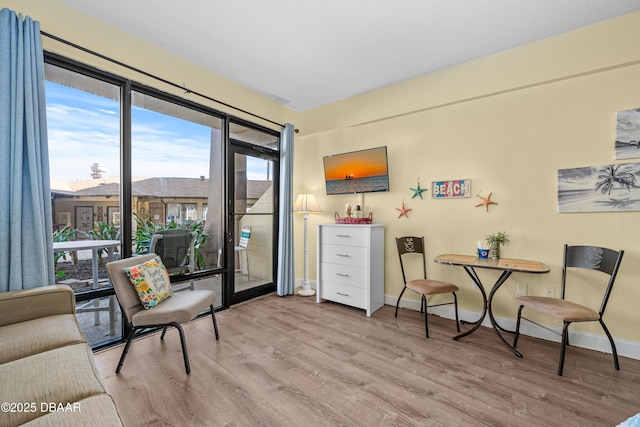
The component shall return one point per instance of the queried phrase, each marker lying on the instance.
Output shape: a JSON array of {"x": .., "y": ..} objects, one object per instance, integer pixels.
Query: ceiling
[{"x": 305, "y": 54}]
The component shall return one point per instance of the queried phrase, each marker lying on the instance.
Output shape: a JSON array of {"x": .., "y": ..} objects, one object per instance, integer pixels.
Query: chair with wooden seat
[
  {"x": 595, "y": 258},
  {"x": 413, "y": 247}
]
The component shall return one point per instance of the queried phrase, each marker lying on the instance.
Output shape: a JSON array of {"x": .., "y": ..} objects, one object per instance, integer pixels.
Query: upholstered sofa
[{"x": 47, "y": 372}]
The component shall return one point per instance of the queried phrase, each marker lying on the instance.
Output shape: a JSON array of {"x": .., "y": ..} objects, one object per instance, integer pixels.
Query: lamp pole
[
  {"x": 306, "y": 203},
  {"x": 306, "y": 284}
]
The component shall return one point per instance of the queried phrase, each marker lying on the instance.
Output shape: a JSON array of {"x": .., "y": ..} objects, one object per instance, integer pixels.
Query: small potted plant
[{"x": 495, "y": 240}]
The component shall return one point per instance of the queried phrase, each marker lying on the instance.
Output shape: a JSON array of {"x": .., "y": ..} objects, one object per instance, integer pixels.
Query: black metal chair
[
  {"x": 581, "y": 257},
  {"x": 408, "y": 246}
]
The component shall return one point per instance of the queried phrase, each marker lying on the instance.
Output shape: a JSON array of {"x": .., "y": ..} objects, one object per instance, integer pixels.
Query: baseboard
[{"x": 586, "y": 340}]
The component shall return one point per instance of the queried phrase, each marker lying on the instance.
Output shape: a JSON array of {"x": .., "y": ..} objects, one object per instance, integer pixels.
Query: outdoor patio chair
[
  {"x": 243, "y": 247},
  {"x": 176, "y": 249}
]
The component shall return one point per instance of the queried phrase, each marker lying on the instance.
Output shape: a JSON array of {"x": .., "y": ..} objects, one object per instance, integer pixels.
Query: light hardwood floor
[{"x": 292, "y": 362}]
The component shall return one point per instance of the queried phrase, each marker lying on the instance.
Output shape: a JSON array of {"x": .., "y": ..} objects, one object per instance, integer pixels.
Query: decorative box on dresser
[{"x": 351, "y": 265}]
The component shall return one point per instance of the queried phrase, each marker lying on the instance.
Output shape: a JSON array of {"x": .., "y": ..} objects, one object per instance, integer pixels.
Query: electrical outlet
[
  {"x": 550, "y": 292},
  {"x": 521, "y": 288}
]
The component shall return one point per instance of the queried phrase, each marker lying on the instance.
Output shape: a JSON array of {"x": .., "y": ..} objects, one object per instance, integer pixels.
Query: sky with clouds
[{"x": 84, "y": 129}]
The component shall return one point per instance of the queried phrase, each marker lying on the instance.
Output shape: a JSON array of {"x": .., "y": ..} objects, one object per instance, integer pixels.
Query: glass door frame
[{"x": 238, "y": 147}]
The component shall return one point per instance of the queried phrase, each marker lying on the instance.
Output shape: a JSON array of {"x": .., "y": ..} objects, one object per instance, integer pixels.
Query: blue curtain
[
  {"x": 286, "y": 280},
  {"x": 26, "y": 240}
]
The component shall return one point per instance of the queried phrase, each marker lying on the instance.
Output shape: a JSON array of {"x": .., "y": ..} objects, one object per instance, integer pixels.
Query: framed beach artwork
[
  {"x": 628, "y": 134},
  {"x": 608, "y": 188}
]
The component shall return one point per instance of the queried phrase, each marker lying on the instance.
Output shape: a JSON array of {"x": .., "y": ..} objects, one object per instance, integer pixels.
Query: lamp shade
[{"x": 306, "y": 203}]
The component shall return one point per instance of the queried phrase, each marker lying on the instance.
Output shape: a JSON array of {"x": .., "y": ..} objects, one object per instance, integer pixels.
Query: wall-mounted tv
[{"x": 363, "y": 171}]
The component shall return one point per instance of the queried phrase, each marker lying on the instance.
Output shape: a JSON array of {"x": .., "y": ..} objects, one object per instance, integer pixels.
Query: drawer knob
[
  {"x": 344, "y": 295},
  {"x": 342, "y": 275},
  {"x": 343, "y": 255},
  {"x": 343, "y": 235}
]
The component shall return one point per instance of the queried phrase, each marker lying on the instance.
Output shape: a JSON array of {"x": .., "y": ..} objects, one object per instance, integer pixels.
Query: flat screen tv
[{"x": 364, "y": 171}]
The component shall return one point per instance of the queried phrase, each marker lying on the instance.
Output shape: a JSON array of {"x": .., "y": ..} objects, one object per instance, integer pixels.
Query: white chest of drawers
[{"x": 351, "y": 265}]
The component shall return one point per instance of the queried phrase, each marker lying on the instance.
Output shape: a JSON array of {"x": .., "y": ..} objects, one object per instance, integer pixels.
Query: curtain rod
[{"x": 137, "y": 70}]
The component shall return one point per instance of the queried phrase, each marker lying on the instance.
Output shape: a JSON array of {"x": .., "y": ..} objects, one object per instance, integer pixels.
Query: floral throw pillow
[{"x": 151, "y": 282}]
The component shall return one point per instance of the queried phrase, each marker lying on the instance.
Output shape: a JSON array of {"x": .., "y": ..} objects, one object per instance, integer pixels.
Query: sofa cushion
[
  {"x": 28, "y": 304},
  {"x": 151, "y": 281},
  {"x": 63, "y": 375},
  {"x": 94, "y": 411},
  {"x": 35, "y": 336}
]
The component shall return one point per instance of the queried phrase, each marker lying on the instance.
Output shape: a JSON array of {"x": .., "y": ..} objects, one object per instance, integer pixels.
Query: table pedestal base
[{"x": 486, "y": 308}]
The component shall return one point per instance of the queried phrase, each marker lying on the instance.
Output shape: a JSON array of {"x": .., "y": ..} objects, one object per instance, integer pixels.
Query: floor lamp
[{"x": 306, "y": 204}]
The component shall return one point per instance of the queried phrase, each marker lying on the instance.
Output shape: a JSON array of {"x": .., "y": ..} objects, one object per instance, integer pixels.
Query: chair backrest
[
  {"x": 174, "y": 246},
  {"x": 245, "y": 235},
  {"x": 411, "y": 245},
  {"x": 126, "y": 294},
  {"x": 592, "y": 258}
]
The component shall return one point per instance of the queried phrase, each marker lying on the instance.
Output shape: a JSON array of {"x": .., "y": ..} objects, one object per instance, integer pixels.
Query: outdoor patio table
[
  {"x": 508, "y": 267},
  {"x": 94, "y": 246}
]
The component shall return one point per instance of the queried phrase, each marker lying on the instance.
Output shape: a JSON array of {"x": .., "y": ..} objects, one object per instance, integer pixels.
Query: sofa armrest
[{"x": 29, "y": 304}]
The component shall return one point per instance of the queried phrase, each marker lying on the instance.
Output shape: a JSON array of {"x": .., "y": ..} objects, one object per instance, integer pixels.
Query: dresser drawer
[
  {"x": 350, "y": 235},
  {"x": 344, "y": 294},
  {"x": 345, "y": 255},
  {"x": 344, "y": 274}
]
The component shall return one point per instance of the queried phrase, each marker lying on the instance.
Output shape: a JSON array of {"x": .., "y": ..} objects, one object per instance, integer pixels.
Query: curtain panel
[
  {"x": 285, "y": 278},
  {"x": 26, "y": 239}
]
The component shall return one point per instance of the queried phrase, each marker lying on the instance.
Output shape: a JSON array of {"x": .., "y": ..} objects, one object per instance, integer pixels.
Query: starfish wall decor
[
  {"x": 403, "y": 211},
  {"x": 486, "y": 201},
  {"x": 417, "y": 191}
]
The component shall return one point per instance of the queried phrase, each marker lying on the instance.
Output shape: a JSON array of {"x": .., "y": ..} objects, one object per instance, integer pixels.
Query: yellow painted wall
[{"x": 508, "y": 122}]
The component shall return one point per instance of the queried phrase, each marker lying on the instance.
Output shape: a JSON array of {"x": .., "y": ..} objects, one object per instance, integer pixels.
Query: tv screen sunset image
[{"x": 357, "y": 172}]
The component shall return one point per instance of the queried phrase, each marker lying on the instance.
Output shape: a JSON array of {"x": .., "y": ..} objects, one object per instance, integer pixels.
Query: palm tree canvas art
[
  {"x": 628, "y": 134},
  {"x": 609, "y": 188}
]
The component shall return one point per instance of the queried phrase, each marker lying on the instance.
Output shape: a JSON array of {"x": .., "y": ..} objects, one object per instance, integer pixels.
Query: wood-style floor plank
[{"x": 292, "y": 362}]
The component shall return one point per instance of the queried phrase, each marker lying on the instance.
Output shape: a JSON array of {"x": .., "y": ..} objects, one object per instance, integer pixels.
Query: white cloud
[
  {"x": 84, "y": 129},
  {"x": 79, "y": 137}
]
